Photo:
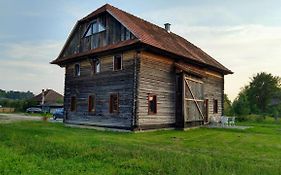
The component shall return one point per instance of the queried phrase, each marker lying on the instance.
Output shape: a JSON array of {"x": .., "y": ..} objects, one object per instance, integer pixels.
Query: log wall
[
  {"x": 101, "y": 85},
  {"x": 156, "y": 76},
  {"x": 213, "y": 90}
]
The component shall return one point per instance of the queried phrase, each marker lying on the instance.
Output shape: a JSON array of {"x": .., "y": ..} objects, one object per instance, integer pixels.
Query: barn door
[{"x": 193, "y": 100}]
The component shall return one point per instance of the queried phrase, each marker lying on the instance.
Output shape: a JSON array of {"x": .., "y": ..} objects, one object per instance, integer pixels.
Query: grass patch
[{"x": 51, "y": 148}]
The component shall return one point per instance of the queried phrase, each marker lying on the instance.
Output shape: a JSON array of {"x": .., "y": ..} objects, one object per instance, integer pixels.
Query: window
[
  {"x": 93, "y": 28},
  {"x": 152, "y": 104},
  {"x": 114, "y": 103},
  {"x": 92, "y": 103},
  {"x": 96, "y": 66},
  {"x": 73, "y": 104},
  {"x": 77, "y": 70},
  {"x": 125, "y": 34},
  {"x": 215, "y": 106},
  {"x": 117, "y": 62}
]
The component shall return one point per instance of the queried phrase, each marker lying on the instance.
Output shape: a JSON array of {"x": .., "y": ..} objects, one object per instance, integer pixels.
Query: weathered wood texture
[
  {"x": 213, "y": 83},
  {"x": 143, "y": 73},
  {"x": 113, "y": 33},
  {"x": 101, "y": 85},
  {"x": 156, "y": 76},
  {"x": 213, "y": 90}
]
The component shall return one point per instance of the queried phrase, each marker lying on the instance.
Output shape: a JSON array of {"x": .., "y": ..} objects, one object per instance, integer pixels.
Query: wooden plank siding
[
  {"x": 143, "y": 73},
  {"x": 213, "y": 90},
  {"x": 156, "y": 76},
  {"x": 102, "y": 85},
  {"x": 114, "y": 32}
]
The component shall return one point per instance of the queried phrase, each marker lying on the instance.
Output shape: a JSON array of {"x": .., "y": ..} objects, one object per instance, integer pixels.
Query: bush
[
  {"x": 251, "y": 118},
  {"x": 19, "y": 105},
  {"x": 257, "y": 118}
]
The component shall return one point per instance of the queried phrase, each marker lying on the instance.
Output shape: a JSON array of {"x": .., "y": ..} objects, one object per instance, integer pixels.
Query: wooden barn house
[{"x": 124, "y": 72}]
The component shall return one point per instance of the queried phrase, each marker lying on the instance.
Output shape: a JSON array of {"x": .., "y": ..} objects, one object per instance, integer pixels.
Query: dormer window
[{"x": 93, "y": 28}]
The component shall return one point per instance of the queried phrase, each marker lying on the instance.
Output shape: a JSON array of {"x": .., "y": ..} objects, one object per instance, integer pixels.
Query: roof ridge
[
  {"x": 139, "y": 18},
  {"x": 153, "y": 35}
]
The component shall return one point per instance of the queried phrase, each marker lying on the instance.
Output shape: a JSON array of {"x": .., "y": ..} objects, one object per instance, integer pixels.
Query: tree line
[
  {"x": 16, "y": 99},
  {"x": 15, "y": 95},
  {"x": 262, "y": 96}
]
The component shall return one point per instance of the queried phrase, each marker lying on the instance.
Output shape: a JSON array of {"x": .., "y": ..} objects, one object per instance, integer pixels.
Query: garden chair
[
  {"x": 231, "y": 121},
  {"x": 224, "y": 121}
]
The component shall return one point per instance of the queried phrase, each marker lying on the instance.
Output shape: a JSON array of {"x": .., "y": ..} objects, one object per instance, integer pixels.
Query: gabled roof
[
  {"x": 51, "y": 97},
  {"x": 152, "y": 35}
]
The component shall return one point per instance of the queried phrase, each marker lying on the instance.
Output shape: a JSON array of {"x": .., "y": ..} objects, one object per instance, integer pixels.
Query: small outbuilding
[{"x": 49, "y": 100}]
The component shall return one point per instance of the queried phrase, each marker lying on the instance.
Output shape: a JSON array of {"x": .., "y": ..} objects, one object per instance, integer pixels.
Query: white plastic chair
[{"x": 224, "y": 121}]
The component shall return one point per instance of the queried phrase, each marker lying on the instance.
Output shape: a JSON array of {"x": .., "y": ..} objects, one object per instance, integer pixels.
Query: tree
[
  {"x": 16, "y": 95},
  {"x": 227, "y": 106},
  {"x": 241, "y": 105},
  {"x": 263, "y": 87}
]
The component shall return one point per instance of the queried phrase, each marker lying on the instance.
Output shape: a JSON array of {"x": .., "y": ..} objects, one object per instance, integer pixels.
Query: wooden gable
[{"x": 99, "y": 31}]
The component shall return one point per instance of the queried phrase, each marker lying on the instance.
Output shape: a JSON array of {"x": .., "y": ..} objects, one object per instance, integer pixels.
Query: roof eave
[
  {"x": 223, "y": 71},
  {"x": 65, "y": 60}
]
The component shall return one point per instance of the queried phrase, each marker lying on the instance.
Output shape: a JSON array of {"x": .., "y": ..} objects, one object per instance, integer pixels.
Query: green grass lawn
[{"x": 51, "y": 148}]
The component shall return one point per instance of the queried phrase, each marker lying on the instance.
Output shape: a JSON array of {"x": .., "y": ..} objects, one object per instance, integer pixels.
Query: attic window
[
  {"x": 93, "y": 28},
  {"x": 125, "y": 34}
]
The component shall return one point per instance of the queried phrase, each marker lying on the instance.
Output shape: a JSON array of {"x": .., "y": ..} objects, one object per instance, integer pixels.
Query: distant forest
[
  {"x": 16, "y": 99},
  {"x": 15, "y": 95}
]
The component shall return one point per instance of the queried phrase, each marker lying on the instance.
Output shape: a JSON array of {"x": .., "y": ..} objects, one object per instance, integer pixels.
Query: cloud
[
  {"x": 25, "y": 66},
  {"x": 245, "y": 49},
  {"x": 31, "y": 51}
]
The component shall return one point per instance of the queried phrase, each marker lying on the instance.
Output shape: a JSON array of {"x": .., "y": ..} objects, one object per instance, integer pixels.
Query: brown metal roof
[{"x": 155, "y": 36}]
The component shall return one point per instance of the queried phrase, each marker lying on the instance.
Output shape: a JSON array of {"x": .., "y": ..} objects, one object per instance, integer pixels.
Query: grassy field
[{"x": 50, "y": 148}]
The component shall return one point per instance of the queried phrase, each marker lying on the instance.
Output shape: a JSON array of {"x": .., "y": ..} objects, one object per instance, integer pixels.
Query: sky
[{"x": 245, "y": 36}]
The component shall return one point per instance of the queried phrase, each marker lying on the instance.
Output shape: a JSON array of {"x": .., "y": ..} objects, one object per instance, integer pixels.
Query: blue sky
[{"x": 243, "y": 35}]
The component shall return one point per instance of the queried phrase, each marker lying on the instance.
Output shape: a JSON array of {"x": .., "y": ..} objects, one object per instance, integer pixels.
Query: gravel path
[{"x": 8, "y": 118}]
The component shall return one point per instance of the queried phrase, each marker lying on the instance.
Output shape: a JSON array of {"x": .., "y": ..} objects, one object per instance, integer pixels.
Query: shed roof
[{"x": 152, "y": 35}]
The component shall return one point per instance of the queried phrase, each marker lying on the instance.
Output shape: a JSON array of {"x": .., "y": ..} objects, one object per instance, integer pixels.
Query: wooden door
[{"x": 193, "y": 100}]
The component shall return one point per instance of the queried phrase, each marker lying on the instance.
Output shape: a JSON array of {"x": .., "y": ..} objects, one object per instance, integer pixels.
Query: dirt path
[{"x": 8, "y": 118}]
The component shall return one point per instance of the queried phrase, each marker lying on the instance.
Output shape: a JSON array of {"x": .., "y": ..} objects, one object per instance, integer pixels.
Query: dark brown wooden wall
[
  {"x": 144, "y": 74},
  {"x": 102, "y": 85},
  {"x": 213, "y": 89},
  {"x": 156, "y": 76},
  {"x": 114, "y": 33}
]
